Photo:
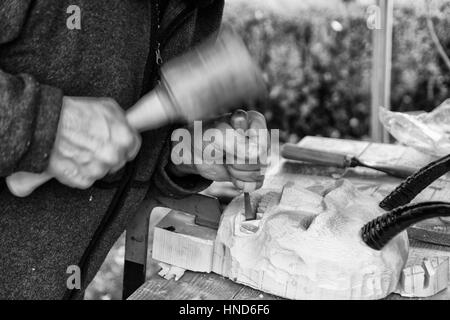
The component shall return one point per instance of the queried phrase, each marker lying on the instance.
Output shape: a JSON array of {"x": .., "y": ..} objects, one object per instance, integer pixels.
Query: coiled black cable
[
  {"x": 413, "y": 185},
  {"x": 378, "y": 232}
]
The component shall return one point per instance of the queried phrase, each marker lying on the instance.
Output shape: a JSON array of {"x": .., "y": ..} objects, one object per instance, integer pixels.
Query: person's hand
[
  {"x": 93, "y": 139},
  {"x": 251, "y": 148}
]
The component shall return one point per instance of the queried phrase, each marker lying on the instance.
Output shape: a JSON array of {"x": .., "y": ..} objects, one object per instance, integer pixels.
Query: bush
[{"x": 318, "y": 66}]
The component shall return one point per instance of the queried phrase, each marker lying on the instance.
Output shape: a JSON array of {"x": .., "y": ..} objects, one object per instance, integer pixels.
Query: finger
[
  {"x": 247, "y": 167},
  {"x": 71, "y": 177},
  {"x": 110, "y": 155},
  {"x": 117, "y": 167},
  {"x": 259, "y": 136},
  {"x": 230, "y": 139},
  {"x": 82, "y": 182},
  {"x": 239, "y": 120},
  {"x": 76, "y": 154},
  {"x": 94, "y": 170},
  {"x": 123, "y": 136},
  {"x": 62, "y": 167},
  {"x": 247, "y": 186},
  {"x": 256, "y": 120},
  {"x": 134, "y": 150},
  {"x": 248, "y": 176}
]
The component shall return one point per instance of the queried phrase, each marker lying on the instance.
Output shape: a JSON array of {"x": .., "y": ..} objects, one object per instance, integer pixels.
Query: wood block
[
  {"x": 306, "y": 246},
  {"x": 217, "y": 256},
  {"x": 180, "y": 242},
  {"x": 424, "y": 279}
]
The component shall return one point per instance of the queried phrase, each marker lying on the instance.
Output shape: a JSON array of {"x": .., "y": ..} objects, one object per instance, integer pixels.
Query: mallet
[{"x": 209, "y": 80}]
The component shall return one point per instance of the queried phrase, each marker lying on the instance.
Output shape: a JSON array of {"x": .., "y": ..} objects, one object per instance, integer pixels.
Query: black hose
[
  {"x": 413, "y": 185},
  {"x": 378, "y": 232}
]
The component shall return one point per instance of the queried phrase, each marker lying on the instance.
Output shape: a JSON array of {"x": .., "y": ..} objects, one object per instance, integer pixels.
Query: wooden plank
[
  {"x": 192, "y": 286},
  {"x": 381, "y": 153},
  {"x": 180, "y": 242},
  {"x": 247, "y": 293},
  {"x": 211, "y": 286},
  {"x": 414, "y": 158},
  {"x": 418, "y": 251}
]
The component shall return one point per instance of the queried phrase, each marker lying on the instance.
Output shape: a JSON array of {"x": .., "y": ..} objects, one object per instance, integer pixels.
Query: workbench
[{"x": 435, "y": 232}]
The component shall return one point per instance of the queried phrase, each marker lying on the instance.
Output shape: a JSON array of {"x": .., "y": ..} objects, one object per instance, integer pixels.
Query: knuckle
[
  {"x": 98, "y": 171},
  {"x": 128, "y": 138},
  {"x": 125, "y": 136},
  {"x": 111, "y": 156},
  {"x": 85, "y": 183}
]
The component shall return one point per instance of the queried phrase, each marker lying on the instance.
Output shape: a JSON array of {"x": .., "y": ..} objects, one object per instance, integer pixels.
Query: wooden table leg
[
  {"x": 136, "y": 248},
  {"x": 207, "y": 213}
]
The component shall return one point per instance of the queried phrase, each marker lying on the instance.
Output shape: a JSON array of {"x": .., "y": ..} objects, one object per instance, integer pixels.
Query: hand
[
  {"x": 93, "y": 139},
  {"x": 255, "y": 151}
]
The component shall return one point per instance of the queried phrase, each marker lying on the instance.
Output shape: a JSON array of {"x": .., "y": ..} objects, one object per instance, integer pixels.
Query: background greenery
[
  {"x": 318, "y": 60},
  {"x": 316, "y": 56}
]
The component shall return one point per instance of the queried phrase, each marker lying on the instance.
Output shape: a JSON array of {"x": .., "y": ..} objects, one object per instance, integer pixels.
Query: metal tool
[
  {"x": 239, "y": 121},
  {"x": 249, "y": 213},
  {"x": 293, "y": 152},
  {"x": 211, "y": 79}
]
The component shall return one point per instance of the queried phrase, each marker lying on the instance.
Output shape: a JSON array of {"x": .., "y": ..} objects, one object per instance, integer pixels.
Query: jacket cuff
[
  {"x": 173, "y": 186},
  {"x": 45, "y": 127}
]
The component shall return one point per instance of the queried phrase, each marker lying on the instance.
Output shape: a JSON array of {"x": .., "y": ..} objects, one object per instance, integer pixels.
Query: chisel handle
[
  {"x": 22, "y": 184},
  {"x": 294, "y": 152}
]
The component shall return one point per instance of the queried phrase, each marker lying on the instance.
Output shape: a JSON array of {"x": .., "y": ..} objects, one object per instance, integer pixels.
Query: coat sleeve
[
  {"x": 29, "y": 110},
  {"x": 208, "y": 22}
]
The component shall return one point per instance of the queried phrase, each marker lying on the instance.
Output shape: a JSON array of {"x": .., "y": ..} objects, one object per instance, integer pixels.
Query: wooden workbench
[{"x": 211, "y": 286}]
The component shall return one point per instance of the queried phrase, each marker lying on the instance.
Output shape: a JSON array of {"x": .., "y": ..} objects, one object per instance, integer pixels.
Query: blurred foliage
[{"x": 318, "y": 63}]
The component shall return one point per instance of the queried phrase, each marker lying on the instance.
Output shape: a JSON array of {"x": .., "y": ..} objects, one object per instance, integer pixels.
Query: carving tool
[
  {"x": 249, "y": 214},
  {"x": 239, "y": 121},
  {"x": 293, "y": 152},
  {"x": 211, "y": 79}
]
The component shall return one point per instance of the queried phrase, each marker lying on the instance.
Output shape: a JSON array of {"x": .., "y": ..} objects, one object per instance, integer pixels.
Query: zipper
[
  {"x": 159, "y": 59},
  {"x": 167, "y": 32}
]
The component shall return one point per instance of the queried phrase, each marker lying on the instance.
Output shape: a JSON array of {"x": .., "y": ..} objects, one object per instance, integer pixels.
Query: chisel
[
  {"x": 341, "y": 160},
  {"x": 239, "y": 121}
]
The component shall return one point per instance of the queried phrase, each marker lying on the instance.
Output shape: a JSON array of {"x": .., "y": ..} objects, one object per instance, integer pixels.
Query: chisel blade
[{"x": 249, "y": 214}]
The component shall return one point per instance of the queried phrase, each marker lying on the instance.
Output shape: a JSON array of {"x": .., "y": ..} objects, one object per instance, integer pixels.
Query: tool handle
[
  {"x": 22, "y": 184},
  {"x": 293, "y": 152}
]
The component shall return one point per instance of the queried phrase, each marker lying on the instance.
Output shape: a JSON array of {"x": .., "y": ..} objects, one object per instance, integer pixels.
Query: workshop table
[{"x": 435, "y": 232}]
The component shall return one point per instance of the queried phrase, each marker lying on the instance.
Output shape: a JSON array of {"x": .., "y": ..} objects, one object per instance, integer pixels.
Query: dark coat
[{"x": 113, "y": 55}]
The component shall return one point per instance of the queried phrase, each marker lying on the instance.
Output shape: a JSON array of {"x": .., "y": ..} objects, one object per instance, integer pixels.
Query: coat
[{"x": 42, "y": 60}]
